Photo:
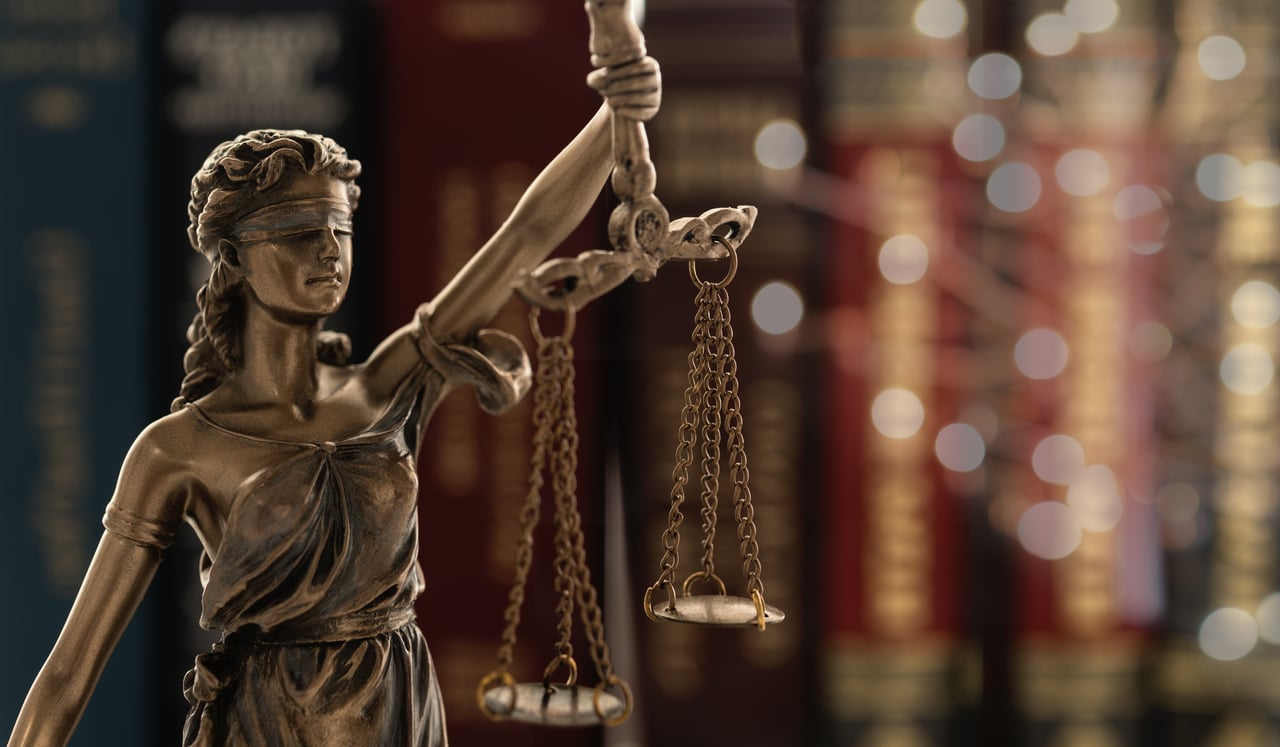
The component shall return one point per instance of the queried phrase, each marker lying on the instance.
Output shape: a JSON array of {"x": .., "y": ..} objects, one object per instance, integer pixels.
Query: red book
[{"x": 479, "y": 97}]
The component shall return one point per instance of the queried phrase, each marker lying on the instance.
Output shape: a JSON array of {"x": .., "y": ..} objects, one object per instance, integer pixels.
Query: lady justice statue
[{"x": 296, "y": 467}]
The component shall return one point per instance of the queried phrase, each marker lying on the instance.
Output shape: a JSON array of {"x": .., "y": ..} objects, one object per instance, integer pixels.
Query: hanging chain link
[
  {"x": 547, "y": 398},
  {"x": 687, "y": 437},
  {"x": 710, "y": 312},
  {"x": 555, "y": 450},
  {"x": 739, "y": 474},
  {"x": 712, "y": 412}
]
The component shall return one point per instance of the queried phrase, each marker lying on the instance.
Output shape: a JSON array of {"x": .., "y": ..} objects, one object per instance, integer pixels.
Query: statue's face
[{"x": 295, "y": 252}]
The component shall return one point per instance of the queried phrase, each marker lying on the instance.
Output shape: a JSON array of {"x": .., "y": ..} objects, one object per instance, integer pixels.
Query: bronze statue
[{"x": 296, "y": 468}]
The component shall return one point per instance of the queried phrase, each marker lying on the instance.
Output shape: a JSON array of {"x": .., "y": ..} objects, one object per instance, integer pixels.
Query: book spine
[
  {"x": 478, "y": 97},
  {"x": 1221, "y": 575},
  {"x": 1089, "y": 584},
  {"x": 899, "y": 292},
  {"x": 726, "y": 76},
  {"x": 73, "y": 207}
]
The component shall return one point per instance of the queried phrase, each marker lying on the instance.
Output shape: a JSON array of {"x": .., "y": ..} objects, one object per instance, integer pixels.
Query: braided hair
[{"x": 229, "y": 185}]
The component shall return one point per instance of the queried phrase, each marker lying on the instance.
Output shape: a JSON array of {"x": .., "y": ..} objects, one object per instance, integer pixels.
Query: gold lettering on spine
[
  {"x": 1243, "y": 568},
  {"x": 897, "y": 557},
  {"x": 512, "y": 432},
  {"x": 456, "y": 424},
  {"x": 1095, "y": 319},
  {"x": 773, "y": 420},
  {"x": 59, "y": 264}
]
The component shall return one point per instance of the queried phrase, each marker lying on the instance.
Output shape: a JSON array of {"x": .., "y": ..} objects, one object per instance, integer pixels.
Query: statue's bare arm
[
  {"x": 151, "y": 486},
  {"x": 550, "y": 209}
]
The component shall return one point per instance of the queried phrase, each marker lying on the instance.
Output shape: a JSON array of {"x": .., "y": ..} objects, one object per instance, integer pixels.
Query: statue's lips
[{"x": 334, "y": 279}]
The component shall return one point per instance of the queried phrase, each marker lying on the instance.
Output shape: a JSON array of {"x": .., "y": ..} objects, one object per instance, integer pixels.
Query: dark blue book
[{"x": 73, "y": 293}]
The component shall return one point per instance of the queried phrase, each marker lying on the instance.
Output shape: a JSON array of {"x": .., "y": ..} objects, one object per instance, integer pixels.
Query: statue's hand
[{"x": 633, "y": 90}]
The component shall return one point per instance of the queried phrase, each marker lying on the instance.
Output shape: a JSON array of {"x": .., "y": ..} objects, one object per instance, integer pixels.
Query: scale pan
[
  {"x": 555, "y": 705},
  {"x": 717, "y": 609}
]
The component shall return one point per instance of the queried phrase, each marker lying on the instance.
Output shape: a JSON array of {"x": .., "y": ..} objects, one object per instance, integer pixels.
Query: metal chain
[
  {"x": 564, "y": 486},
  {"x": 546, "y": 401},
  {"x": 690, "y": 418},
  {"x": 738, "y": 471},
  {"x": 711, "y": 313}
]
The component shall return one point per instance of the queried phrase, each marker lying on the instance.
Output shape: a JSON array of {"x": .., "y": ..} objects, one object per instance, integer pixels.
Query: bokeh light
[
  {"x": 897, "y": 413},
  {"x": 1014, "y": 187},
  {"x": 1228, "y": 633},
  {"x": 1091, "y": 16},
  {"x": 978, "y": 137},
  {"x": 1051, "y": 34},
  {"x": 903, "y": 259},
  {"x": 1268, "y": 618},
  {"x": 1095, "y": 498},
  {"x": 1260, "y": 184},
  {"x": 995, "y": 76},
  {"x": 1221, "y": 57},
  {"x": 1082, "y": 172},
  {"x": 1058, "y": 459},
  {"x": 1219, "y": 177},
  {"x": 777, "y": 308},
  {"x": 1150, "y": 341},
  {"x": 1247, "y": 369},
  {"x": 1040, "y": 354},
  {"x": 959, "y": 447},
  {"x": 1256, "y": 304},
  {"x": 1049, "y": 530},
  {"x": 940, "y": 19},
  {"x": 781, "y": 145}
]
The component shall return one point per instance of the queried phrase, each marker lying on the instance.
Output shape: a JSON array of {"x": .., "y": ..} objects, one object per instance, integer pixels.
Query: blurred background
[{"x": 1005, "y": 334}]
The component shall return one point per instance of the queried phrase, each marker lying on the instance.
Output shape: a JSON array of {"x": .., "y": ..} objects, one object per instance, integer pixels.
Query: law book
[
  {"x": 218, "y": 69},
  {"x": 478, "y": 97},
  {"x": 725, "y": 76},
  {"x": 908, "y": 653},
  {"x": 74, "y": 210}
]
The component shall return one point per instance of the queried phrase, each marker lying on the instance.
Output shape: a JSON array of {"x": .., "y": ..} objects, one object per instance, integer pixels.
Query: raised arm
[
  {"x": 550, "y": 209},
  {"x": 117, "y": 578}
]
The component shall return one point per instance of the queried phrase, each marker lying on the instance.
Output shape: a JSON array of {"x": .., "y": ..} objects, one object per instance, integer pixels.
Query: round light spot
[
  {"x": 1268, "y": 618},
  {"x": 1091, "y": 16},
  {"x": 1135, "y": 201},
  {"x": 1082, "y": 172},
  {"x": 1260, "y": 184},
  {"x": 780, "y": 145},
  {"x": 1058, "y": 459},
  {"x": 940, "y": 19},
  {"x": 1014, "y": 187},
  {"x": 1095, "y": 497},
  {"x": 1247, "y": 368},
  {"x": 1151, "y": 341},
  {"x": 978, "y": 137},
  {"x": 960, "y": 448},
  {"x": 903, "y": 259},
  {"x": 1256, "y": 304},
  {"x": 897, "y": 413},
  {"x": 1051, "y": 34},
  {"x": 1049, "y": 530},
  {"x": 1040, "y": 354},
  {"x": 1220, "y": 177},
  {"x": 1221, "y": 57},
  {"x": 1178, "y": 501},
  {"x": 995, "y": 76},
  {"x": 777, "y": 308},
  {"x": 1228, "y": 634}
]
